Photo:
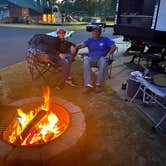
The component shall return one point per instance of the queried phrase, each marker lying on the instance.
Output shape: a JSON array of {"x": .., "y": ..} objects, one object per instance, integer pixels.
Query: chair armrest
[
  {"x": 42, "y": 58},
  {"x": 157, "y": 89},
  {"x": 110, "y": 54}
]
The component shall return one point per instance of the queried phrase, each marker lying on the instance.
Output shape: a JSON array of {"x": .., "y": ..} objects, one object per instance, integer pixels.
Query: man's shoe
[
  {"x": 87, "y": 90},
  {"x": 98, "y": 89},
  {"x": 60, "y": 86},
  {"x": 71, "y": 82}
]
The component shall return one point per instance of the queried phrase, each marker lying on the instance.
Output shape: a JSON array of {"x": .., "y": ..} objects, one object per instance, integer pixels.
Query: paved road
[{"x": 13, "y": 42}]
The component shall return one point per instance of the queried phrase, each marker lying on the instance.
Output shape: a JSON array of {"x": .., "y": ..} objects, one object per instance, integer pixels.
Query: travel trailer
[{"x": 142, "y": 20}]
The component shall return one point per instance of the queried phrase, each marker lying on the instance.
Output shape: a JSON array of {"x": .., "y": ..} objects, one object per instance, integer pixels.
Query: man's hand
[
  {"x": 62, "y": 56},
  {"x": 79, "y": 46},
  {"x": 112, "y": 49}
]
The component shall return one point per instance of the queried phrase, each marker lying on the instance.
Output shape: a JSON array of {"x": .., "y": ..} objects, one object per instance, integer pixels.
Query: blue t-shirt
[{"x": 98, "y": 47}]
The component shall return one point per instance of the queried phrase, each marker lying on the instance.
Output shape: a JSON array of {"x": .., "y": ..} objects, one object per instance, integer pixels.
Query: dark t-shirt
[
  {"x": 50, "y": 44},
  {"x": 63, "y": 46}
]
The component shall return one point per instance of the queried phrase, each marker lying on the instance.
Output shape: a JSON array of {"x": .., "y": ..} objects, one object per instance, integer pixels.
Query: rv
[{"x": 142, "y": 20}]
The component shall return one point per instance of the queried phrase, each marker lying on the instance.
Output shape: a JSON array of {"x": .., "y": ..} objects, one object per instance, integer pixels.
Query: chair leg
[
  {"x": 132, "y": 99},
  {"x": 152, "y": 99},
  {"x": 161, "y": 120},
  {"x": 109, "y": 71},
  {"x": 40, "y": 71}
]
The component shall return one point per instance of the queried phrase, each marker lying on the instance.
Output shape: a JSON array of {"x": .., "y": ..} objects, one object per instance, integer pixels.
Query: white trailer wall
[{"x": 161, "y": 19}]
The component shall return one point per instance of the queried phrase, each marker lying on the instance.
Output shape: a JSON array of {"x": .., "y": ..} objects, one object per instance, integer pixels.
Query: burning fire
[{"x": 38, "y": 126}]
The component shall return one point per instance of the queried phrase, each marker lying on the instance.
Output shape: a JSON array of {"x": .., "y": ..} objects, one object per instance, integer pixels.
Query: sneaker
[
  {"x": 71, "y": 82},
  {"x": 87, "y": 90},
  {"x": 98, "y": 89},
  {"x": 60, "y": 86}
]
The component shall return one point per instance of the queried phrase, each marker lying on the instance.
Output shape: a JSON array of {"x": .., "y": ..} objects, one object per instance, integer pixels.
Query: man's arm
[
  {"x": 79, "y": 46},
  {"x": 112, "y": 49},
  {"x": 69, "y": 48}
]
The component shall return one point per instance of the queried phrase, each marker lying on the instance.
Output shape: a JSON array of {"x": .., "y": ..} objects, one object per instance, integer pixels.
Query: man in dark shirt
[{"x": 63, "y": 54}]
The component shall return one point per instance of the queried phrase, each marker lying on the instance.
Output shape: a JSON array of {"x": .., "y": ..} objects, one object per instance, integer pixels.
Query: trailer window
[{"x": 137, "y": 13}]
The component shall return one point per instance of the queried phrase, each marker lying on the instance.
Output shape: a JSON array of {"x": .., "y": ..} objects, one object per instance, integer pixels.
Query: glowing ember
[{"x": 38, "y": 126}]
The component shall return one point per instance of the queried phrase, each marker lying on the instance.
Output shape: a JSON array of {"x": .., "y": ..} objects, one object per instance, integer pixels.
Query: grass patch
[
  {"x": 115, "y": 133},
  {"x": 110, "y": 23},
  {"x": 48, "y": 27},
  {"x": 108, "y": 89}
]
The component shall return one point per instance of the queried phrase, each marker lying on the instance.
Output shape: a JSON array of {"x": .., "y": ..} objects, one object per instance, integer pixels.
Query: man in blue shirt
[{"x": 98, "y": 46}]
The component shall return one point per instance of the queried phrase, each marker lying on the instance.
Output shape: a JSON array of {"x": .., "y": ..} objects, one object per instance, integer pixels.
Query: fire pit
[
  {"x": 40, "y": 132},
  {"x": 40, "y": 125}
]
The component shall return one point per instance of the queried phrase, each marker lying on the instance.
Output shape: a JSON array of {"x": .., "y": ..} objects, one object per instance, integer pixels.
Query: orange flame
[
  {"x": 43, "y": 131},
  {"x": 46, "y": 96}
]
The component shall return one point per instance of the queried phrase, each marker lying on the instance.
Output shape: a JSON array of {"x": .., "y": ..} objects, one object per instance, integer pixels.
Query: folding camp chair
[
  {"x": 37, "y": 59},
  {"x": 39, "y": 64},
  {"x": 152, "y": 94},
  {"x": 108, "y": 70},
  {"x": 108, "y": 67}
]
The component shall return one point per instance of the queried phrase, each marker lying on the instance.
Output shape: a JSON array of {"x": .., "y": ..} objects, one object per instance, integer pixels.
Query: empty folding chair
[{"x": 152, "y": 94}]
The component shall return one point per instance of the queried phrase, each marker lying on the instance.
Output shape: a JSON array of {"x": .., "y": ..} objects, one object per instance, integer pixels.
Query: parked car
[{"x": 95, "y": 21}]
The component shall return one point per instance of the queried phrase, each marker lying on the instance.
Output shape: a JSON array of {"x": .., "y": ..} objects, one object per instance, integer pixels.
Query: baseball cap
[
  {"x": 96, "y": 28},
  {"x": 61, "y": 30}
]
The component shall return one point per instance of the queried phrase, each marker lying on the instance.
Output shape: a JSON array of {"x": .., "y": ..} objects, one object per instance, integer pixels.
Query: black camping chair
[{"x": 37, "y": 59}]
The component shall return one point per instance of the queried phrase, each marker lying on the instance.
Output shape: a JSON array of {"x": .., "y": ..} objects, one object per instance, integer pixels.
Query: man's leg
[
  {"x": 100, "y": 76},
  {"x": 87, "y": 72},
  {"x": 69, "y": 57},
  {"x": 53, "y": 57},
  {"x": 65, "y": 66},
  {"x": 70, "y": 81}
]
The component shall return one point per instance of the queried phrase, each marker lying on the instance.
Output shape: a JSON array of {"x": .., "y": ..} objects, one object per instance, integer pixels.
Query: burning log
[
  {"x": 30, "y": 126},
  {"x": 37, "y": 126}
]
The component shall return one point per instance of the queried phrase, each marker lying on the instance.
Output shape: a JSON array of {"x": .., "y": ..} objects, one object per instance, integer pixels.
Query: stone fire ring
[{"x": 11, "y": 155}]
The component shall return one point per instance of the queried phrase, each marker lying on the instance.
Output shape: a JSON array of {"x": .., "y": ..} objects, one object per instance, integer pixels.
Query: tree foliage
[{"x": 91, "y": 7}]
